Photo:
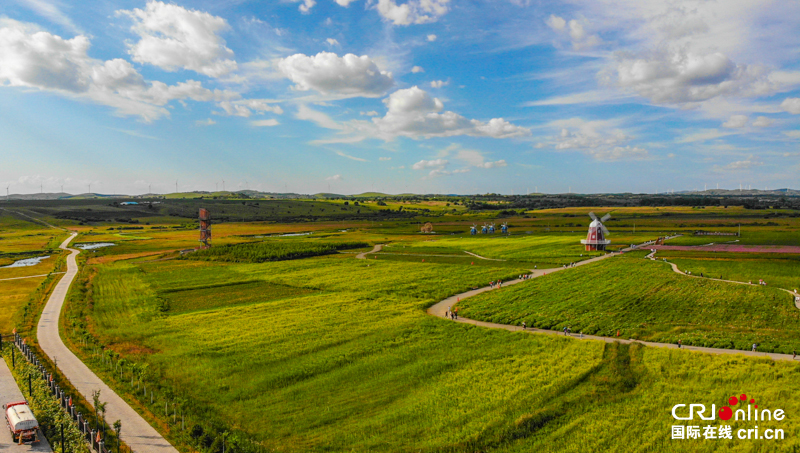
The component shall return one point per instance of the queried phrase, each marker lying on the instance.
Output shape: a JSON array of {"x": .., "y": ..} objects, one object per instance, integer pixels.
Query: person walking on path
[
  {"x": 679, "y": 344},
  {"x": 794, "y": 354},
  {"x": 565, "y": 331},
  {"x": 523, "y": 325},
  {"x": 754, "y": 347}
]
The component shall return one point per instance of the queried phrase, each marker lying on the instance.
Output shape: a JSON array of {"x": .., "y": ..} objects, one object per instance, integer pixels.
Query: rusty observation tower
[{"x": 205, "y": 228}]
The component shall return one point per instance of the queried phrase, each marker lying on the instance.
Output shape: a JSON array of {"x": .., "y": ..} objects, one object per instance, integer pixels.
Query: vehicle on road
[{"x": 21, "y": 422}]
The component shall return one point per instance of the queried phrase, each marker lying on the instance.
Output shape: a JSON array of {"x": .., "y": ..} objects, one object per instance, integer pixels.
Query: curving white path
[
  {"x": 136, "y": 432},
  {"x": 440, "y": 310}
]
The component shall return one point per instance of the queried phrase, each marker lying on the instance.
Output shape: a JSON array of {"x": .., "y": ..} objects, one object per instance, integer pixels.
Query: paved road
[
  {"x": 440, "y": 310},
  {"x": 136, "y": 432},
  {"x": 9, "y": 392}
]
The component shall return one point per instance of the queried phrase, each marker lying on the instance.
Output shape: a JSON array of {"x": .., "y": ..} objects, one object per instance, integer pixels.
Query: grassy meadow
[
  {"x": 22, "y": 238},
  {"x": 779, "y": 270},
  {"x": 354, "y": 364},
  {"x": 646, "y": 300},
  {"x": 330, "y": 353}
]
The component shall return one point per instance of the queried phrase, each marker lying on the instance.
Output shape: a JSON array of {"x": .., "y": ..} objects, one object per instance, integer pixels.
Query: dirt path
[
  {"x": 9, "y": 392},
  {"x": 376, "y": 249},
  {"x": 481, "y": 257},
  {"x": 136, "y": 432},
  {"x": 676, "y": 270},
  {"x": 29, "y": 276},
  {"x": 440, "y": 310}
]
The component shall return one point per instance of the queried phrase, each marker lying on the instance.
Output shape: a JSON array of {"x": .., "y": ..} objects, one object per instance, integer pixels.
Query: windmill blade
[
  {"x": 605, "y": 230},
  {"x": 604, "y": 218},
  {"x": 591, "y": 214}
]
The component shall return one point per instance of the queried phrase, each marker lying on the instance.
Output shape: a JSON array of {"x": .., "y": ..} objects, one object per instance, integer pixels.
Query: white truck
[{"x": 21, "y": 422}]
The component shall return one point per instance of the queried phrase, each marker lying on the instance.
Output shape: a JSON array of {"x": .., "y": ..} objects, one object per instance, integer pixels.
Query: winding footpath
[
  {"x": 440, "y": 310},
  {"x": 376, "y": 249},
  {"x": 136, "y": 432},
  {"x": 678, "y": 271}
]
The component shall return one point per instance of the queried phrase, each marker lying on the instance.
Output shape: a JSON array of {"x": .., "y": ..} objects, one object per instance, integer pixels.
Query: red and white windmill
[{"x": 596, "y": 238}]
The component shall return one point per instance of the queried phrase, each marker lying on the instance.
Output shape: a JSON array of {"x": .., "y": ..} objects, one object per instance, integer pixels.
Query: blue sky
[{"x": 421, "y": 96}]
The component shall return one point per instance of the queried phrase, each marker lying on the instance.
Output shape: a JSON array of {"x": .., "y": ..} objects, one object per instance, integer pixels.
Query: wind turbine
[
  {"x": 176, "y": 186},
  {"x": 7, "y": 192}
]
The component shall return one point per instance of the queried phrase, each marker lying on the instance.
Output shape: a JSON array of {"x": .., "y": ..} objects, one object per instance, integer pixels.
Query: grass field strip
[
  {"x": 678, "y": 271},
  {"x": 441, "y": 309}
]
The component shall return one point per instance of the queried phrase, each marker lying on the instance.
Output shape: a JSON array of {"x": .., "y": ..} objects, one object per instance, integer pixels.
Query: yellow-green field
[{"x": 331, "y": 353}]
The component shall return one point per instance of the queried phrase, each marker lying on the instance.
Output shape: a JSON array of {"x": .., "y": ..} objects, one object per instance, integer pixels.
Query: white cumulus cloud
[
  {"x": 30, "y": 57},
  {"x": 740, "y": 165},
  {"x": 439, "y": 83},
  {"x": 417, "y": 69},
  {"x": 332, "y": 42},
  {"x": 437, "y": 163},
  {"x": 173, "y": 37},
  {"x": 575, "y": 31},
  {"x": 736, "y": 121},
  {"x": 431, "y": 37},
  {"x": 334, "y": 178},
  {"x": 327, "y": 73},
  {"x": 599, "y": 139},
  {"x": 791, "y": 105},
  {"x": 414, "y": 113},
  {"x": 762, "y": 121},
  {"x": 264, "y": 123},
  {"x": 413, "y": 11}
]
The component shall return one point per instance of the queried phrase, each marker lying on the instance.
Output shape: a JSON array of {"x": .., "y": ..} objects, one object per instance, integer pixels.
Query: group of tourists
[
  {"x": 496, "y": 284},
  {"x": 451, "y": 313}
]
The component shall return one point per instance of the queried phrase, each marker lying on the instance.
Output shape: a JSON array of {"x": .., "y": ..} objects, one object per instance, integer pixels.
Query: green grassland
[
  {"x": 750, "y": 236},
  {"x": 259, "y": 252},
  {"x": 646, "y": 300},
  {"x": 331, "y": 353},
  {"x": 299, "y": 358},
  {"x": 544, "y": 251},
  {"x": 779, "y": 270},
  {"x": 20, "y": 238}
]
